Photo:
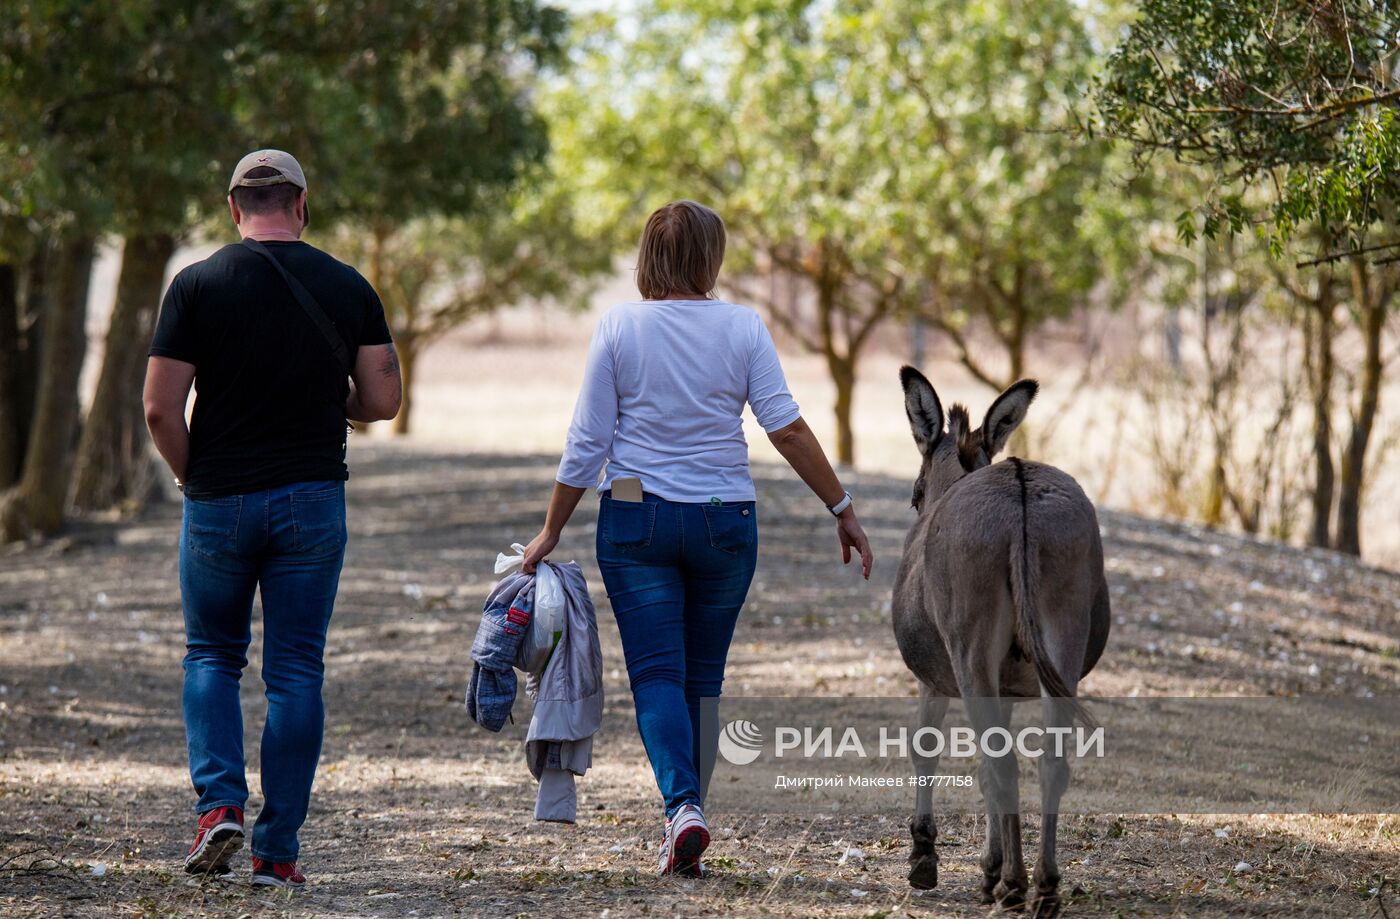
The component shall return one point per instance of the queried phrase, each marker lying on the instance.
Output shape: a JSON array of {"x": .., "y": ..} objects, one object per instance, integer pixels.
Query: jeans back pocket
[
  {"x": 732, "y": 527},
  {"x": 628, "y": 524},
  {"x": 318, "y": 519},
  {"x": 211, "y": 524}
]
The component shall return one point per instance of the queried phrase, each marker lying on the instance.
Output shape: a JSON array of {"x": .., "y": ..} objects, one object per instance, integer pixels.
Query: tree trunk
[
  {"x": 33, "y": 309},
  {"x": 35, "y": 505},
  {"x": 1324, "y": 475},
  {"x": 1016, "y": 341},
  {"x": 842, "y": 367},
  {"x": 408, "y": 355},
  {"x": 1371, "y": 294},
  {"x": 113, "y": 460},
  {"x": 11, "y": 435},
  {"x": 843, "y": 375},
  {"x": 1213, "y": 512}
]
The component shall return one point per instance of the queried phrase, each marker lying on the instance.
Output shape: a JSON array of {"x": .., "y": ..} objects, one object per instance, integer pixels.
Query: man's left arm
[
  {"x": 376, "y": 384},
  {"x": 168, "y": 384}
]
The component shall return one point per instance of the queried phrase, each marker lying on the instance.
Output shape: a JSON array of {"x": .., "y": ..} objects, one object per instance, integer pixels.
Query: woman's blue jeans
[
  {"x": 677, "y": 575},
  {"x": 289, "y": 541}
]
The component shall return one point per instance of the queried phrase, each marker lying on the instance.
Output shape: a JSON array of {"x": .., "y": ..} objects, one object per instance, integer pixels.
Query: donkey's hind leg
[
  {"x": 1065, "y": 642},
  {"x": 1003, "y": 872},
  {"x": 923, "y": 860},
  {"x": 1054, "y": 779}
]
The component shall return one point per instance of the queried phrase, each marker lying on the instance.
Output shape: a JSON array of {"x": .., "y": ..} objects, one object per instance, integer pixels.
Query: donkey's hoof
[
  {"x": 923, "y": 873},
  {"x": 1010, "y": 899},
  {"x": 1045, "y": 905}
]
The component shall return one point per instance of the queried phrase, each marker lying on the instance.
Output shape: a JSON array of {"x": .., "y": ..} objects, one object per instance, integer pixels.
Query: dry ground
[{"x": 419, "y": 813}]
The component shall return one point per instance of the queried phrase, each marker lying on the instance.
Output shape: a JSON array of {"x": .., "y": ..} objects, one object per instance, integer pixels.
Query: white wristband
[{"x": 840, "y": 506}]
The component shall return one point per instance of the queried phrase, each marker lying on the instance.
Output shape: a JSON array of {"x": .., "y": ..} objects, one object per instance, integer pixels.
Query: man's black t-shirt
[{"x": 269, "y": 395}]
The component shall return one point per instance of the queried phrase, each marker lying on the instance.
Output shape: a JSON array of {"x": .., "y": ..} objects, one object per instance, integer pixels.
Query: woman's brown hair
[{"x": 682, "y": 249}]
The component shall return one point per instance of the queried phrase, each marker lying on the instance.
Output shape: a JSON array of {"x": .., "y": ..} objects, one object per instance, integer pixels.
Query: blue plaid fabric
[{"x": 505, "y": 621}]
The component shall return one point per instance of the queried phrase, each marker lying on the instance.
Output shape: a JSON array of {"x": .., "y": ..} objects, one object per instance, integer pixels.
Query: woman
[{"x": 666, "y": 383}]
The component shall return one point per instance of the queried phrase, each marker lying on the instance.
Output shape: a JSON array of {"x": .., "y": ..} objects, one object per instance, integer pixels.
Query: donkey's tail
[{"x": 1025, "y": 591}]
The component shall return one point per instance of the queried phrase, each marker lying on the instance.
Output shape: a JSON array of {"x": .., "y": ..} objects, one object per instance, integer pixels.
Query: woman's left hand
[
  {"x": 538, "y": 550},
  {"x": 852, "y": 536}
]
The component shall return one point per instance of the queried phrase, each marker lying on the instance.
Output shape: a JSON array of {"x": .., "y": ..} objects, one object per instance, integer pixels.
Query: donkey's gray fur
[{"x": 1000, "y": 595}]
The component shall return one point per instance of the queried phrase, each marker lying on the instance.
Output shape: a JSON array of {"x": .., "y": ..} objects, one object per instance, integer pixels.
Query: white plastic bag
[
  {"x": 547, "y": 623},
  {"x": 506, "y": 563}
]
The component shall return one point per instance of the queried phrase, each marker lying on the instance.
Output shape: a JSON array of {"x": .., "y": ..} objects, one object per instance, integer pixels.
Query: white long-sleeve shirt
[{"x": 663, "y": 396}]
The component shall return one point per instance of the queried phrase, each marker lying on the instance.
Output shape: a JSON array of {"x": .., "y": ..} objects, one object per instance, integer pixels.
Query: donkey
[{"x": 1000, "y": 595}]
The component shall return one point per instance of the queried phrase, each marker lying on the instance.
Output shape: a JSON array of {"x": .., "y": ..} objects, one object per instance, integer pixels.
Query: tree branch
[{"x": 964, "y": 353}]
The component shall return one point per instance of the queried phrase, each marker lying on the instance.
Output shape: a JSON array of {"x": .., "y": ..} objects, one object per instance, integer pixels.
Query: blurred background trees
[
  {"x": 1294, "y": 106},
  {"x": 874, "y": 161},
  {"x": 122, "y": 119},
  {"x": 988, "y": 182},
  {"x": 435, "y": 273}
]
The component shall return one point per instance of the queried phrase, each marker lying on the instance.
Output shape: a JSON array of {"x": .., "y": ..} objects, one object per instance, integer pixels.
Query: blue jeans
[
  {"x": 677, "y": 575},
  {"x": 289, "y": 541}
]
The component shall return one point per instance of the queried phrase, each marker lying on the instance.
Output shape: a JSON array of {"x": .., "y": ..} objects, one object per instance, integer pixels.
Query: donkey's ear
[
  {"x": 923, "y": 408},
  {"x": 1006, "y": 415}
]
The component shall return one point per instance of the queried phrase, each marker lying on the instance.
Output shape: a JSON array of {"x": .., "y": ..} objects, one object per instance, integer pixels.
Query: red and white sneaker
[
  {"x": 276, "y": 874},
  {"x": 687, "y": 837},
  {"x": 220, "y": 835}
]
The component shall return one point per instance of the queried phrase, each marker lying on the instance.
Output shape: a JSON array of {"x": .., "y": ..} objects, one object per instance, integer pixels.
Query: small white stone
[{"x": 1243, "y": 868}]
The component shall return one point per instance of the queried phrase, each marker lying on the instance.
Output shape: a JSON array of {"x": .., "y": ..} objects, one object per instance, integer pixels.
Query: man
[{"x": 262, "y": 466}]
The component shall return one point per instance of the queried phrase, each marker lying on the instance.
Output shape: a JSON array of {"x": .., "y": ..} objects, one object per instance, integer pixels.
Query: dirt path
[{"x": 419, "y": 813}]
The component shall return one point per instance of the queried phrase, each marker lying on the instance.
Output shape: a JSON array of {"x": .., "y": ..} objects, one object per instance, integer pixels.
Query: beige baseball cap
[{"x": 286, "y": 165}]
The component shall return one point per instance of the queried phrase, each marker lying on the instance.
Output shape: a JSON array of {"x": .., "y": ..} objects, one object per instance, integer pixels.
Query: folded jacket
[
  {"x": 505, "y": 621},
  {"x": 568, "y": 703}
]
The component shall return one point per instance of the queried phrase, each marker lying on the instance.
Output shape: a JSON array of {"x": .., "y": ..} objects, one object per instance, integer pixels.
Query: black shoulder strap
[{"x": 308, "y": 305}]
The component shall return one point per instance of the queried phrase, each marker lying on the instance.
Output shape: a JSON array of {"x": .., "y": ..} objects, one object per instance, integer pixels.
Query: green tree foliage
[
  {"x": 870, "y": 159},
  {"x": 435, "y": 273},
  {"x": 1293, "y": 106},
  {"x": 101, "y": 119},
  {"x": 741, "y": 108},
  {"x": 124, "y": 117},
  {"x": 1299, "y": 95},
  {"x": 398, "y": 109},
  {"x": 1014, "y": 208},
  {"x": 425, "y": 146}
]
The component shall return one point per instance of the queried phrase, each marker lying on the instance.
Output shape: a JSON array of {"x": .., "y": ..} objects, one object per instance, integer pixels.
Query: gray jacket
[{"x": 568, "y": 703}]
